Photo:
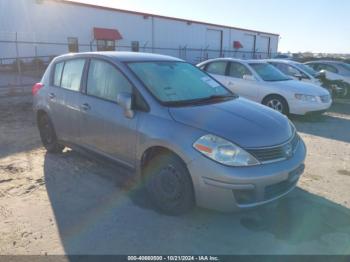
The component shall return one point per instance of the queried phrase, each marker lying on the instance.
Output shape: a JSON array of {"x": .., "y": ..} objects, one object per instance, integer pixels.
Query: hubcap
[
  {"x": 168, "y": 184},
  {"x": 345, "y": 92},
  {"x": 275, "y": 104}
]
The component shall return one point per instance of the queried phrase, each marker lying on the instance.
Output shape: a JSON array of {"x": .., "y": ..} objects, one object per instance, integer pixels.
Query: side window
[
  {"x": 313, "y": 66},
  {"x": 202, "y": 67},
  {"x": 105, "y": 81},
  {"x": 293, "y": 71},
  {"x": 318, "y": 67},
  {"x": 105, "y": 45},
  {"x": 72, "y": 73},
  {"x": 73, "y": 44},
  {"x": 238, "y": 70},
  {"x": 217, "y": 68},
  {"x": 282, "y": 67},
  {"x": 331, "y": 68},
  {"x": 58, "y": 74}
]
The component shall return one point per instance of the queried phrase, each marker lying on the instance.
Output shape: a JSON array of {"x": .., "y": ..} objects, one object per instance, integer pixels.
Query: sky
[{"x": 304, "y": 25}]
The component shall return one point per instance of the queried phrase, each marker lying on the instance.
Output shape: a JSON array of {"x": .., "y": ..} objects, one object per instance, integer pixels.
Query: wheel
[
  {"x": 169, "y": 184},
  {"x": 277, "y": 103},
  {"x": 340, "y": 89},
  {"x": 48, "y": 135},
  {"x": 344, "y": 92}
]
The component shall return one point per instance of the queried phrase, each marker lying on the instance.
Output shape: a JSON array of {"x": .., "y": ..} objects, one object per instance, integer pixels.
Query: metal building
[{"x": 45, "y": 28}]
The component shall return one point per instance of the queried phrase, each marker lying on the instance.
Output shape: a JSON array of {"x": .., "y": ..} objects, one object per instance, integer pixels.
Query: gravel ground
[{"x": 72, "y": 204}]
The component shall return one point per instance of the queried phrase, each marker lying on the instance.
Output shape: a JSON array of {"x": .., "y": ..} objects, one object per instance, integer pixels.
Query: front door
[
  {"x": 105, "y": 128},
  {"x": 237, "y": 81}
]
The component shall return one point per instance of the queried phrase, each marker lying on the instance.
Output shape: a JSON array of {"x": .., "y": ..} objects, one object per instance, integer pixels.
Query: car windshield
[
  {"x": 268, "y": 72},
  {"x": 178, "y": 83},
  {"x": 307, "y": 69}
]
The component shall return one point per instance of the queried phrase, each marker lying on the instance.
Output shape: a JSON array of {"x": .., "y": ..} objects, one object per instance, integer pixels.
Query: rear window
[
  {"x": 58, "y": 74},
  {"x": 72, "y": 74}
]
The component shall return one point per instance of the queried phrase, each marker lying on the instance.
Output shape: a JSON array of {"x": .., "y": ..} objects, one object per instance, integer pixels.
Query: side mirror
[
  {"x": 322, "y": 72},
  {"x": 299, "y": 76},
  {"x": 125, "y": 100},
  {"x": 249, "y": 77}
]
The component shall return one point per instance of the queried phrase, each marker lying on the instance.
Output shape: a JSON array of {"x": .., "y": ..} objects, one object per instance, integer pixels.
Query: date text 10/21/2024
[{"x": 173, "y": 258}]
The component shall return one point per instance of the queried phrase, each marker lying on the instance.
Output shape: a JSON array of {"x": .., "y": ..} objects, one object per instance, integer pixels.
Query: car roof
[
  {"x": 325, "y": 62},
  {"x": 284, "y": 61},
  {"x": 121, "y": 56},
  {"x": 234, "y": 60}
]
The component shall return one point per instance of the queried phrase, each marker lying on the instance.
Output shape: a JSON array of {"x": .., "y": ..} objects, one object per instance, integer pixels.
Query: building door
[
  {"x": 214, "y": 43},
  {"x": 249, "y": 46},
  {"x": 264, "y": 47}
]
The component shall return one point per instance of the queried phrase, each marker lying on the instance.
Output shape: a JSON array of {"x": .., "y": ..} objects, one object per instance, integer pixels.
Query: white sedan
[{"x": 263, "y": 83}]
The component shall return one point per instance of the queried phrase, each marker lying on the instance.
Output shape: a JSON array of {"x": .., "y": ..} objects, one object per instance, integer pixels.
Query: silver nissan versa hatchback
[{"x": 189, "y": 140}]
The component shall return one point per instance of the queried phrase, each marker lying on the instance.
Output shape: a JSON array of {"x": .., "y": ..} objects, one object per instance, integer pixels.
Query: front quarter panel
[{"x": 165, "y": 132}]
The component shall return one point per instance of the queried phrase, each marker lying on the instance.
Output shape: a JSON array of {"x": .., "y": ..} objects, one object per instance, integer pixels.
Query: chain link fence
[{"x": 22, "y": 63}]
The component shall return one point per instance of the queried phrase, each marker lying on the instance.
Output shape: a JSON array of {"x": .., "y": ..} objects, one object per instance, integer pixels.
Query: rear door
[
  {"x": 63, "y": 98},
  {"x": 236, "y": 82},
  {"x": 104, "y": 128}
]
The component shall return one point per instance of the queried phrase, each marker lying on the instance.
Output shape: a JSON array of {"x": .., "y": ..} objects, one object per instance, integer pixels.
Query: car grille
[
  {"x": 277, "y": 153},
  {"x": 278, "y": 189},
  {"x": 325, "y": 99}
]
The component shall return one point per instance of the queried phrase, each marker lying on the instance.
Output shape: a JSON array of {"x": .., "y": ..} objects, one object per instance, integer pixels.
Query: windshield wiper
[
  {"x": 197, "y": 101},
  {"x": 216, "y": 97},
  {"x": 279, "y": 80}
]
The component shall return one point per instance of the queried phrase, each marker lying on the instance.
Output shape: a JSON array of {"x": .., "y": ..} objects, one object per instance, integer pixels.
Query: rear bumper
[{"x": 235, "y": 188}]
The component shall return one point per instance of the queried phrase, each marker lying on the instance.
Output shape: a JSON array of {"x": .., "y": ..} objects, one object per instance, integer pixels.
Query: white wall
[{"x": 55, "y": 22}]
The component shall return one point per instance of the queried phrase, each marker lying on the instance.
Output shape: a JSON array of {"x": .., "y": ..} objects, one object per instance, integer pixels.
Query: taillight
[{"x": 36, "y": 88}]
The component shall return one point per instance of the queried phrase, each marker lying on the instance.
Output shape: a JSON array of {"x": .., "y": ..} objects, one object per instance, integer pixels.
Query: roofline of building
[{"x": 158, "y": 16}]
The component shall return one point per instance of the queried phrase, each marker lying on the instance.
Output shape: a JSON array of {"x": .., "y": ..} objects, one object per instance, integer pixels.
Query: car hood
[
  {"x": 240, "y": 121},
  {"x": 334, "y": 76},
  {"x": 301, "y": 87}
]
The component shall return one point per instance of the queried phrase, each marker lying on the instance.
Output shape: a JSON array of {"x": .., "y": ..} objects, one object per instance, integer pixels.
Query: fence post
[{"x": 19, "y": 69}]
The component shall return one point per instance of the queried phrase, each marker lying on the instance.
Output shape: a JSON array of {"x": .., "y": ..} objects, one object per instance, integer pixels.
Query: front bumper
[
  {"x": 228, "y": 189},
  {"x": 298, "y": 107}
]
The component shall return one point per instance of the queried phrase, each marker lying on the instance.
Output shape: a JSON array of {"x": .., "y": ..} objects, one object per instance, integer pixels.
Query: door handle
[
  {"x": 85, "y": 107},
  {"x": 230, "y": 83},
  {"x": 52, "y": 96}
]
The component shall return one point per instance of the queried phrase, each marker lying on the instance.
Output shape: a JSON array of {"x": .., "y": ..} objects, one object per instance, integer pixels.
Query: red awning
[
  {"x": 237, "y": 45},
  {"x": 106, "y": 34}
]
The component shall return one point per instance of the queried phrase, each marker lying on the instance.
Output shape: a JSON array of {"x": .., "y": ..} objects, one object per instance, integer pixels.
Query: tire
[
  {"x": 277, "y": 103},
  {"x": 48, "y": 135},
  {"x": 169, "y": 184}
]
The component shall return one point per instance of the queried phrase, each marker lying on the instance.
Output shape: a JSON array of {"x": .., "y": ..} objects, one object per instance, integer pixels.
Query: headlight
[
  {"x": 223, "y": 151},
  {"x": 308, "y": 98}
]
